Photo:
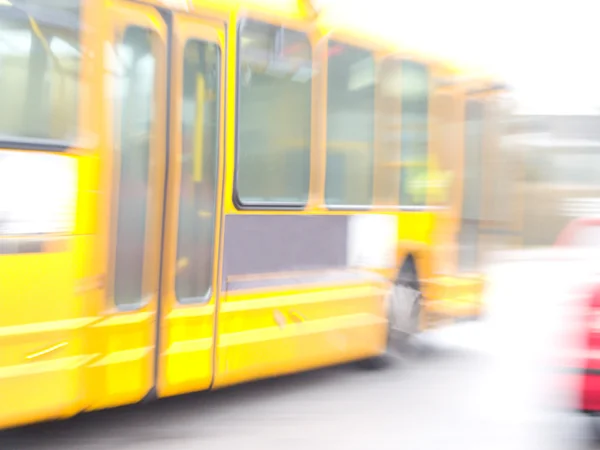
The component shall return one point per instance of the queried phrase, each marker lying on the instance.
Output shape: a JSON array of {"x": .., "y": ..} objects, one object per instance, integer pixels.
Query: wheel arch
[{"x": 414, "y": 259}]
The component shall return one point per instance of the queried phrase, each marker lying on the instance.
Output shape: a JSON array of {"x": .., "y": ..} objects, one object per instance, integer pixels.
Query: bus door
[
  {"x": 468, "y": 236},
  {"x": 189, "y": 288},
  {"x": 136, "y": 94}
]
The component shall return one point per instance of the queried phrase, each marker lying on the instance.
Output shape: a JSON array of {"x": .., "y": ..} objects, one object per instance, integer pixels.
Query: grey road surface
[{"x": 479, "y": 386}]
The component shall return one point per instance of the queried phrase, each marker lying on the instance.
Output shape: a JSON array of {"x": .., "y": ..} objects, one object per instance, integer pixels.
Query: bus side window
[
  {"x": 350, "y": 125},
  {"x": 389, "y": 127},
  {"x": 415, "y": 134},
  {"x": 274, "y": 117},
  {"x": 199, "y": 164},
  {"x": 40, "y": 57}
]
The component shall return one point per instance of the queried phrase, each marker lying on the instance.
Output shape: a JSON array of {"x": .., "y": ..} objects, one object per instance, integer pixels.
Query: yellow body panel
[
  {"x": 451, "y": 298},
  {"x": 43, "y": 347},
  {"x": 123, "y": 371},
  {"x": 189, "y": 344},
  {"x": 264, "y": 334}
]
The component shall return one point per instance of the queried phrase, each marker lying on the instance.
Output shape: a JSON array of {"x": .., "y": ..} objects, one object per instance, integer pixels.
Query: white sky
[{"x": 547, "y": 50}]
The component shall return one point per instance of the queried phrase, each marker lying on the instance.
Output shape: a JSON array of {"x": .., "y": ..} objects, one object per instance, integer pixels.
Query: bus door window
[
  {"x": 135, "y": 94},
  {"x": 199, "y": 163}
]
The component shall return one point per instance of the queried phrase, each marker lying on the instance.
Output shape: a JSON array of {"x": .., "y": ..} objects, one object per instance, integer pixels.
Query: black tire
[{"x": 399, "y": 342}]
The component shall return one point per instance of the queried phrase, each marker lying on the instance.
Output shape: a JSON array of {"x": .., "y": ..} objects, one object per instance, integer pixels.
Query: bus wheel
[
  {"x": 404, "y": 311},
  {"x": 404, "y": 317}
]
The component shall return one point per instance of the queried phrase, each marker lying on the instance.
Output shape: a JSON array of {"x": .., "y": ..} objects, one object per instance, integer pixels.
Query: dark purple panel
[{"x": 260, "y": 244}]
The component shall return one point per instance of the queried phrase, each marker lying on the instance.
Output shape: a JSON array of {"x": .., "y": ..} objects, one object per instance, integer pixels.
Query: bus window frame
[
  {"x": 236, "y": 199},
  {"x": 30, "y": 144}
]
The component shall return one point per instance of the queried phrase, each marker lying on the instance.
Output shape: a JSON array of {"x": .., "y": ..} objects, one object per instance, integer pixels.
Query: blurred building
[{"x": 560, "y": 162}]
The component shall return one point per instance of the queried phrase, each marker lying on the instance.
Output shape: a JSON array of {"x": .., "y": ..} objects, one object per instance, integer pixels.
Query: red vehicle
[
  {"x": 590, "y": 367},
  {"x": 580, "y": 243}
]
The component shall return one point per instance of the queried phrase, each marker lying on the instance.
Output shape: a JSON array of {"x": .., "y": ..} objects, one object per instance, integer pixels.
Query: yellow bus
[{"x": 197, "y": 194}]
